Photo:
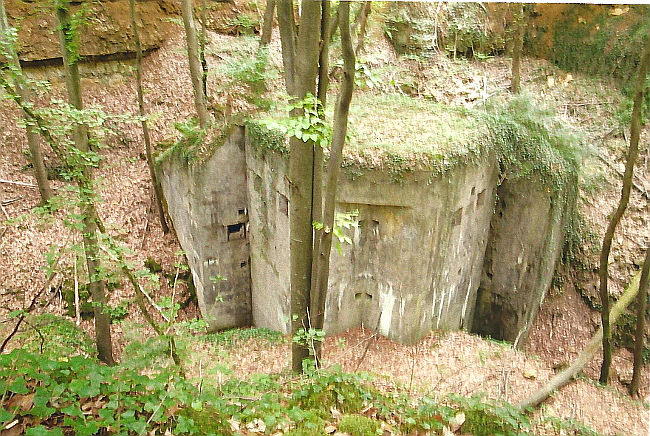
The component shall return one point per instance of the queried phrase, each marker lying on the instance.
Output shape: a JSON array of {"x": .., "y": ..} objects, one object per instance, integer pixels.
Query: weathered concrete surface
[
  {"x": 430, "y": 251},
  {"x": 107, "y": 31},
  {"x": 416, "y": 258},
  {"x": 268, "y": 207},
  {"x": 526, "y": 240},
  {"x": 208, "y": 207}
]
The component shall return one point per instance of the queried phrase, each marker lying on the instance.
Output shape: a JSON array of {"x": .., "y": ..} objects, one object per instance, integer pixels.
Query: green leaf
[
  {"x": 42, "y": 411},
  {"x": 5, "y": 415},
  {"x": 42, "y": 431},
  {"x": 18, "y": 386},
  {"x": 82, "y": 428}
]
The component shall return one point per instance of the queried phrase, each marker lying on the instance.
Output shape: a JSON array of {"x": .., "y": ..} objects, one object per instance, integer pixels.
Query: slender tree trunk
[
  {"x": 203, "y": 42},
  {"x": 632, "y": 153},
  {"x": 86, "y": 188},
  {"x": 333, "y": 25},
  {"x": 517, "y": 48},
  {"x": 324, "y": 236},
  {"x": 300, "y": 58},
  {"x": 33, "y": 141},
  {"x": 363, "y": 23},
  {"x": 287, "y": 24},
  {"x": 639, "y": 338},
  {"x": 587, "y": 353},
  {"x": 145, "y": 128},
  {"x": 193, "y": 57},
  {"x": 267, "y": 26},
  {"x": 317, "y": 192}
]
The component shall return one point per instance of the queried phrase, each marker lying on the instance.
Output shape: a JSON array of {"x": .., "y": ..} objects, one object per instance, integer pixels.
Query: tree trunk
[
  {"x": 33, "y": 141},
  {"x": 193, "y": 57},
  {"x": 267, "y": 26},
  {"x": 287, "y": 24},
  {"x": 300, "y": 57},
  {"x": 517, "y": 48},
  {"x": 317, "y": 192},
  {"x": 363, "y": 23},
  {"x": 639, "y": 338},
  {"x": 632, "y": 153},
  {"x": 86, "y": 188},
  {"x": 587, "y": 354},
  {"x": 158, "y": 194},
  {"x": 324, "y": 236},
  {"x": 203, "y": 42}
]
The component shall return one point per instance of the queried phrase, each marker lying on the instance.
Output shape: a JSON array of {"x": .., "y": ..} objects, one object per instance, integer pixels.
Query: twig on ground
[
  {"x": 4, "y": 211},
  {"x": 11, "y": 200},
  {"x": 144, "y": 232},
  {"x": 13, "y": 182},
  {"x": 32, "y": 305},
  {"x": 365, "y": 351}
]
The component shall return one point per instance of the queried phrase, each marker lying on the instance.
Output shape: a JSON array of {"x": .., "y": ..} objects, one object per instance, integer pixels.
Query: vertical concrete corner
[
  {"x": 526, "y": 241},
  {"x": 208, "y": 205}
]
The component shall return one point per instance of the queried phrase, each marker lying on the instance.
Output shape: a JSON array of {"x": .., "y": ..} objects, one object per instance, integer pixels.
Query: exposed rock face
[
  {"x": 464, "y": 28},
  {"x": 601, "y": 40},
  {"x": 526, "y": 239},
  {"x": 418, "y": 258},
  {"x": 106, "y": 31}
]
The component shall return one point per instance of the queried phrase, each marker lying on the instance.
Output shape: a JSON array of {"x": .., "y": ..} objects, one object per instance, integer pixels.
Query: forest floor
[{"x": 442, "y": 362}]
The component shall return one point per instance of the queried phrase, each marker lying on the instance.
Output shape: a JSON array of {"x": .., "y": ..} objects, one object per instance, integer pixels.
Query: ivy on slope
[{"x": 531, "y": 142}]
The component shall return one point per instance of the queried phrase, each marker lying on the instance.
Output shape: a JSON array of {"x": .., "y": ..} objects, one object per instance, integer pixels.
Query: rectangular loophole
[
  {"x": 480, "y": 199},
  {"x": 369, "y": 227},
  {"x": 283, "y": 204},
  {"x": 243, "y": 264},
  {"x": 242, "y": 211},
  {"x": 236, "y": 231},
  {"x": 458, "y": 217}
]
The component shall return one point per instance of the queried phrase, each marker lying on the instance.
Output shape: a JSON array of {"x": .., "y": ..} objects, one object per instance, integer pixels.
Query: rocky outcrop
[
  {"x": 462, "y": 28},
  {"x": 105, "y": 31}
]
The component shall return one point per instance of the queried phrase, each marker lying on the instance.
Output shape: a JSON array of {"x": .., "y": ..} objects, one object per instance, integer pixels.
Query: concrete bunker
[{"x": 432, "y": 250}]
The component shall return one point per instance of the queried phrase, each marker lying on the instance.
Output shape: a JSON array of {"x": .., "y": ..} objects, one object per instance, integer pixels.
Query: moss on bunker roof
[
  {"x": 401, "y": 133},
  {"x": 398, "y": 130}
]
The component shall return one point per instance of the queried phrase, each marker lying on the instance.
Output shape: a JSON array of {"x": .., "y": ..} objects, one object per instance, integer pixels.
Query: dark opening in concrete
[{"x": 236, "y": 231}]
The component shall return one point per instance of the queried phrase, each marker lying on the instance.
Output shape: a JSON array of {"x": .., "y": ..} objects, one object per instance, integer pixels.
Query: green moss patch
[{"x": 401, "y": 133}]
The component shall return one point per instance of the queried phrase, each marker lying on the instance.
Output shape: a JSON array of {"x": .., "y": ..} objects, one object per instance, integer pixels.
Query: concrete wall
[
  {"x": 430, "y": 251},
  {"x": 268, "y": 206},
  {"x": 526, "y": 240},
  {"x": 207, "y": 204},
  {"x": 416, "y": 258}
]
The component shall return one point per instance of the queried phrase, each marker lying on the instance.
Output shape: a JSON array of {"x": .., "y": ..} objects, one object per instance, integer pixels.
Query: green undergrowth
[
  {"x": 531, "y": 142},
  {"x": 233, "y": 336},
  {"x": 49, "y": 393}
]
